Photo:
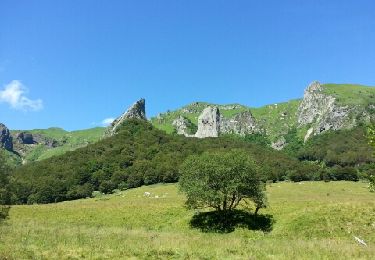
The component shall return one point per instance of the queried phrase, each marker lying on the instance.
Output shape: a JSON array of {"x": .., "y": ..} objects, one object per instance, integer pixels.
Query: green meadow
[{"x": 308, "y": 220}]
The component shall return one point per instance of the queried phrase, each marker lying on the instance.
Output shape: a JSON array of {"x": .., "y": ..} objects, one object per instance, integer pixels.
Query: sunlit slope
[{"x": 312, "y": 220}]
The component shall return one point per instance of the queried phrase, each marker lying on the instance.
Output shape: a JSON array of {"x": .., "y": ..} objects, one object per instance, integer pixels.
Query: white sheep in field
[{"x": 147, "y": 194}]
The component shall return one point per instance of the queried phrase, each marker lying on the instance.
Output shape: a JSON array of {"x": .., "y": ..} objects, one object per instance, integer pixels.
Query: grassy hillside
[
  {"x": 66, "y": 141},
  {"x": 350, "y": 94},
  {"x": 311, "y": 220},
  {"x": 277, "y": 119}
]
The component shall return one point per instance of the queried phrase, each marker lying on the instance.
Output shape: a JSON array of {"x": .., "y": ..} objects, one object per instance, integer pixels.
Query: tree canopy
[{"x": 221, "y": 180}]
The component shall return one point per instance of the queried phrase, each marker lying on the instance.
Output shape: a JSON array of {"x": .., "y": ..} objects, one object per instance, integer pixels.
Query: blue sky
[{"x": 74, "y": 63}]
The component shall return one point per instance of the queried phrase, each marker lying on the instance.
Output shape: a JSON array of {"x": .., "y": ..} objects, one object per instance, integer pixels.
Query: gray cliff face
[
  {"x": 208, "y": 123},
  {"x": 25, "y": 138},
  {"x": 241, "y": 124},
  {"x": 5, "y": 138},
  {"x": 136, "y": 111},
  {"x": 211, "y": 123},
  {"x": 321, "y": 112}
]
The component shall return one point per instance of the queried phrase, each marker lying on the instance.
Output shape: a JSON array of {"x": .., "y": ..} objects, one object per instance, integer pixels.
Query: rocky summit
[
  {"x": 321, "y": 112},
  {"x": 136, "y": 111},
  {"x": 6, "y": 140}
]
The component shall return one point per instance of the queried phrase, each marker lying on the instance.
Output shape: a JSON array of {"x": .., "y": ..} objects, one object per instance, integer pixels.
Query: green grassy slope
[
  {"x": 311, "y": 221},
  {"x": 277, "y": 119},
  {"x": 67, "y": 141},
  {"x": 351, "y": 94}
]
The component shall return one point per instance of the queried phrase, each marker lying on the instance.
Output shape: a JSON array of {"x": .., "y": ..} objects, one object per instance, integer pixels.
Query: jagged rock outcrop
[
  {"x": 208, "y": 123},
  {"x": 241, "y": 124},
  {"x": 182, "y": 126},
  {"x": 25, "y": 138},
  {"x": 211, "y": 123},
  {"x": 5, "y": 138},
  {"x": 321, "y": 111},
  {"x": 136, "y": 111}
]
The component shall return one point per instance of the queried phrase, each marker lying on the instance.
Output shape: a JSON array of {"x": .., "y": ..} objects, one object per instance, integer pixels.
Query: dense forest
[{"x": 141, "y": 155}]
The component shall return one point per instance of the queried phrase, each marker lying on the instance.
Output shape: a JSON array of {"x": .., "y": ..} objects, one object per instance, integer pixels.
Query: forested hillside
[{"x": 139, "y": 154}]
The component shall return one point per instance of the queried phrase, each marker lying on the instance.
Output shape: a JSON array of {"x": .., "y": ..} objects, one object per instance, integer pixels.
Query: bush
[{"x": 339, "y": 173}]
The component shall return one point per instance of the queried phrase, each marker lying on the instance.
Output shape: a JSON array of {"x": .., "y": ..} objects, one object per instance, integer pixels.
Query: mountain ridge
[{"x": 349, "y": 105}]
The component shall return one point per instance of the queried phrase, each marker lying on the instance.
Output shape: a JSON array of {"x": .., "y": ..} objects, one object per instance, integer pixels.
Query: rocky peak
[
  {"x": 314, "y": 87},
  {"x": 320, "y": 111},
  {"x": 5, "y": 138},
  {"x": 209, "y": 123},
  {"x": 136, "y": 111},
  {"x": 314, "y": 104}
]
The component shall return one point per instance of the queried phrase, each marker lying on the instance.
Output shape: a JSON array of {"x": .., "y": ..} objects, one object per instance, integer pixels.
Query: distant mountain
[
  {"x": 323, "y": 107},
  {"x": 33, "y": 145}
]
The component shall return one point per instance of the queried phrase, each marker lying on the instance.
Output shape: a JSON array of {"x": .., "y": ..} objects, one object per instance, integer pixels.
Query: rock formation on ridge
[
  {"x": 25, "y": 138},
  {"x": 241, "y": 124},
  {"x": 6, "y": 140},
  {"x": 320, "y": 111},
  {"x": 208, "y": 123},
  {"x": 136, "y": 111}
]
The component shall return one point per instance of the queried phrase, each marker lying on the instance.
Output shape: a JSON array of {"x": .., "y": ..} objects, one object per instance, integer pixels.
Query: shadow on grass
[
  {"x": 4, "y": 212},
  {"x": 219, "y": 222}
]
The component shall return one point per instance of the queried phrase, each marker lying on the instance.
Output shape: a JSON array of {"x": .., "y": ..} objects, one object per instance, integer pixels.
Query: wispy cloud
[
  {"x": 14, "y": 94},
  {"x": 107, "y": 121}
]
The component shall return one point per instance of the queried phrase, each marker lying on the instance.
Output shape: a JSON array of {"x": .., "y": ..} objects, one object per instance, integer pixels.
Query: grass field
[{"x": 311, "y": 220}]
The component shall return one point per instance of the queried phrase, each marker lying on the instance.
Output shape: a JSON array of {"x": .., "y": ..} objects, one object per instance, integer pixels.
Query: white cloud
[
  {"x": 14, "y": 94},
  {"x": 107, "y": 121}
]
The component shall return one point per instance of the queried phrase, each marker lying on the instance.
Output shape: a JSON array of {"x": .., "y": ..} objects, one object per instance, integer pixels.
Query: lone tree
[{"x": 221, "y": 180}]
